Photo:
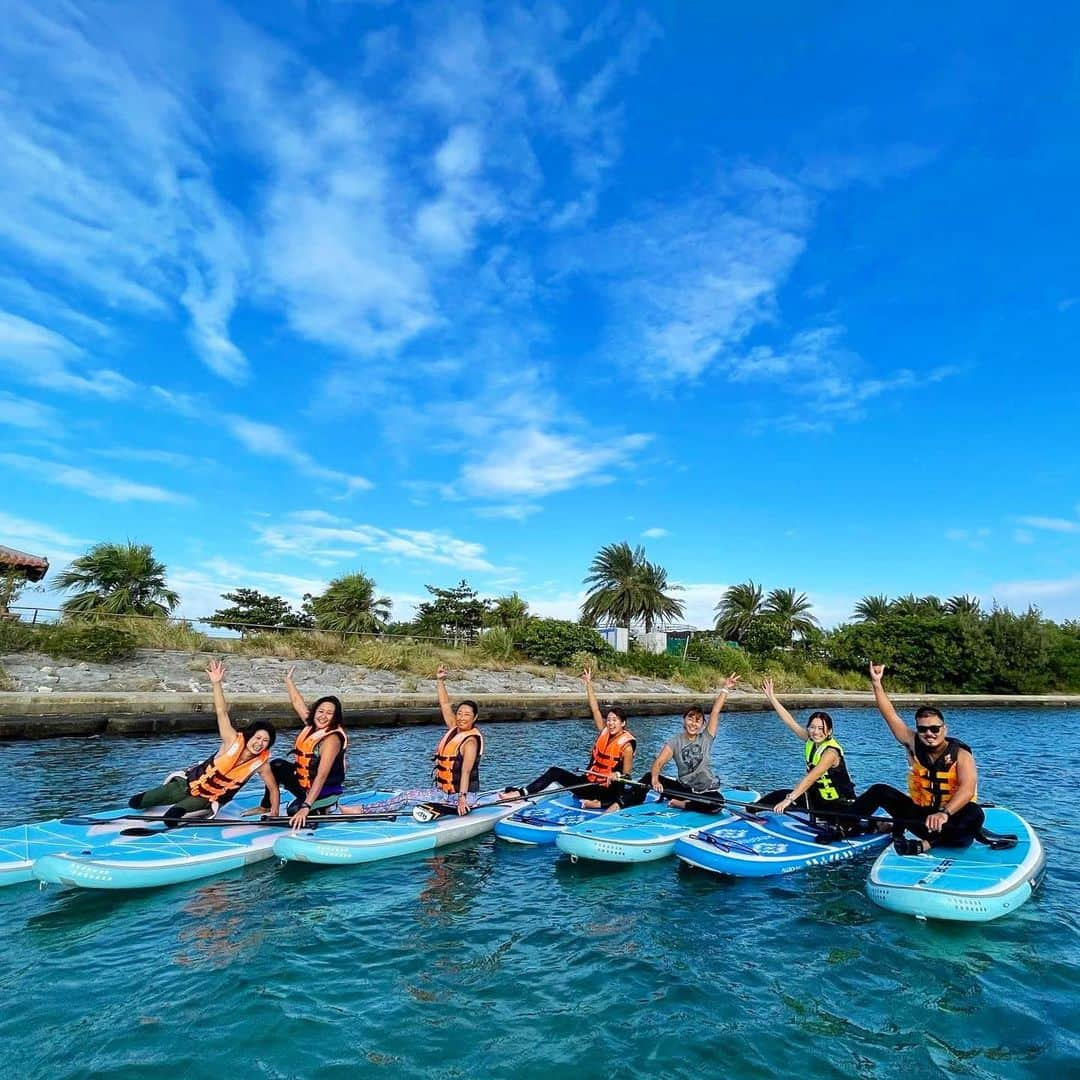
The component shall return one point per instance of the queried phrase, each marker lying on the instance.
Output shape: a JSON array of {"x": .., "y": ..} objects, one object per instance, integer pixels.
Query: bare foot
[
  {"x": 679, "y": 804},
  {"x": 590, "y": 804},
  {"x": 511, "y": 795}
]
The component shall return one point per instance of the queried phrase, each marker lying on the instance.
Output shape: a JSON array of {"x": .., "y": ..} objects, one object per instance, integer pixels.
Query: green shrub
[
  {"x": 17, "y": 636},
  {"x": 713, "y": 651},
  {"x": 651, "y": 665},
  {"x": 6, "y": 681},
  {"x": 98, "y": 642},
  {"x": 555, "y": 642},
  {"x": 496, "y": 643}
]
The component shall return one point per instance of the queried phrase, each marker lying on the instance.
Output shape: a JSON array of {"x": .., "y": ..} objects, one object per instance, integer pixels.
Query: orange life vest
[
  {"x": 607, "y": 753},
  {"x": 447, "y": 770},
  {"x": 306, "y": 751},
  {"x": 224, "y": 773},
  {"x": 933, "y": 783}
]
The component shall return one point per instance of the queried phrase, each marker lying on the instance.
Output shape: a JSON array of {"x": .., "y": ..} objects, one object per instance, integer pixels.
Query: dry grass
[
  {"x": 7, "y": 684},
  {"x": 161, "y": 634}
]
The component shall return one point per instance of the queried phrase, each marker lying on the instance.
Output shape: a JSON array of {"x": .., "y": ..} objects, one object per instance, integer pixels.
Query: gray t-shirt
[{"x": 691, "y": 757}]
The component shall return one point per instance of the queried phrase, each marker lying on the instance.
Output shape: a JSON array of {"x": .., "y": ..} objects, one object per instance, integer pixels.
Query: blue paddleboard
[
  {"x": 973, "y": 884},
  {"x": 640, "y": 833},
  {"x": 768, "y": 844}
]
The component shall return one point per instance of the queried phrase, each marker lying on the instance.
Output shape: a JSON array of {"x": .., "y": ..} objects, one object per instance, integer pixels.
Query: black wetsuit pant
[
  {"x": 285, "y": 774},
  {"x": 959, "y": 831},
  {"x": 849, "y": 826},
  {"x": 636, "y": 794},
  {"x": 612, "y": 793}
]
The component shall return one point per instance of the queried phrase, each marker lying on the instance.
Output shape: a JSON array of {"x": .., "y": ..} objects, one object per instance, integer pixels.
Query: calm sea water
[{"x": 488, "y": 959}]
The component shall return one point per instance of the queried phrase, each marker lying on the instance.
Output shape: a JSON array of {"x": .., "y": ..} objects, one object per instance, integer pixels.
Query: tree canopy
[
  {"x": 626, "y": 588},
  {"x": 116, "y": 579}
]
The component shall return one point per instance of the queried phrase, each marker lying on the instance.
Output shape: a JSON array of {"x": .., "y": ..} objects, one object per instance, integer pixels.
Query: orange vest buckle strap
[
  {"x": 933, "y": 783},
  {"x": 607, "y": 752},
  {"x": 447, "y": 770},
  {"x": 224, "y": 773},
  {"x": 306, "y": 751}
]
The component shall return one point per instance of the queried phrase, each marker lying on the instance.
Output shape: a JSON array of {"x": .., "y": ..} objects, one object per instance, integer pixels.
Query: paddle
[
  {"x": 430, "y": 811},
  {"x": 271, "y": 822}
]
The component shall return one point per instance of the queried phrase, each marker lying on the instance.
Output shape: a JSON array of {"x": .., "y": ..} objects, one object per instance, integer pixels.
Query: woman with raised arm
[
  {"x": 213, "y": 782},
  {"x": 612, "y": 757},
  {"x": 691, "y": 750},
  {"x": 456, "y": 771},
  {"x": 317, "y": 774},
  {"x": 827, "y": 785}
]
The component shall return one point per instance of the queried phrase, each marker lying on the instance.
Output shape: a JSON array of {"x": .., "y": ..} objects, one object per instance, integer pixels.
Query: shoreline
[{"x": 34, "y": 715}]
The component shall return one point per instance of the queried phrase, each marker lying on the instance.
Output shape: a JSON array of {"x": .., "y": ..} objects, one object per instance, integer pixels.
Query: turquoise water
[{"x": 489, "y": 959}]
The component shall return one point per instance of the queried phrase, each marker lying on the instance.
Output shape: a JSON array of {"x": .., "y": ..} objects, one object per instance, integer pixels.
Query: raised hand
[
  {"x": 730, "y": 681},
  {"x": 586, "y": 676},
  {"x": 876, "y": 672},
  {"x": 441, "y": 672},
  {"x": 768, "y": 688},
  {"x": 216, "y": 670},
  {"x": 289, "y": 673}
]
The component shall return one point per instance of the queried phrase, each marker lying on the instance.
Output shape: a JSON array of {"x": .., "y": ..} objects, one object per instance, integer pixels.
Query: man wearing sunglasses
[{"x": 940, "y": 807}]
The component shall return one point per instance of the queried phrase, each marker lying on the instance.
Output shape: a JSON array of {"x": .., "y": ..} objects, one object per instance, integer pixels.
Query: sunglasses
[{"x": 928, "y": 729}]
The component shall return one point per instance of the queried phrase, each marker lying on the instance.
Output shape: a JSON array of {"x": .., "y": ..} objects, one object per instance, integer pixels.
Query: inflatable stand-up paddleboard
[
  {"x": 364, "y": 842},
  {"x": 767, "y": 844},
  {"x": 168, "y": 856},
  {"x": 21, "y": 845},
  {"x": 640, "y": 833},
  {"x": 541, "y": 821},
  {"x": 973, "y": 884}
]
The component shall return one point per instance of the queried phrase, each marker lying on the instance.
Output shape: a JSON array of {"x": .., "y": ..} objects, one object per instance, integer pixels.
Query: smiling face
[
  {"x": 693, "y": 722},
  {"x": 818, "y": 728},
  {"x": 614, "y": 723},
  {"x": 464, "y": 717},
  {"x": 930, "y": 729},
  {"x": 323, "y": 716},
  {"x": 258, "y": 741}
]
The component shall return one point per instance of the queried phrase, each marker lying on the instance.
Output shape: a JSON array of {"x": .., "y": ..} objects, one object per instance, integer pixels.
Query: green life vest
[{"x": 834, "y": 783}]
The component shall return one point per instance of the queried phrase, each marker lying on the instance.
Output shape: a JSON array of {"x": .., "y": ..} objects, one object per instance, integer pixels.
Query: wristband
[{"x": 303, "y": 806}]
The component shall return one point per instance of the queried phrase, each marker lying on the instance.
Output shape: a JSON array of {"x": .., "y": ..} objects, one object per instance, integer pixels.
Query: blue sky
[{"x": 463, "y": 290}]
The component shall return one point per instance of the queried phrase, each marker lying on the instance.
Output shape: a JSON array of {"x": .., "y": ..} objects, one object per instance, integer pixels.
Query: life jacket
[
  {"x": 607, "y": 753},
  {"x": 447, "y": 769},
  {"x": 834, "y": 784},
  {"x": 306, "y": 752},
  {"x": 933, "y": 783},
  {"x": 222, "y": 775}
]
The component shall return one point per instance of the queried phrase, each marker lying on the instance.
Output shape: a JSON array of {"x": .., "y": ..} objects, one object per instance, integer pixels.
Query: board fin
[{"x": 996, "y": 841}]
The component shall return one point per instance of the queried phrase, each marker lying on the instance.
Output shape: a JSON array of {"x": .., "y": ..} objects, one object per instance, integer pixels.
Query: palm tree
[
  {"x": 117, "y": 579},
  {"x": 791, "y": 613},
  {"x": 872, "y": 608},
  {"x": 963, "y": 605},
  {"x": 738, "y": 610},
  {"x": 627, "y": 588},
  {"x": 507, "y": 611},
  {"x": 907, "y": 605},
  {"x": 349, "y": 606},
  {"x": 656, "y": 605},
  {"x": 615, "y": 594}
]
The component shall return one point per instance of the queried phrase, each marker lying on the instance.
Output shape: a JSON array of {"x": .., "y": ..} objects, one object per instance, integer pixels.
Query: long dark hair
[
  {"x": 339, "y": 716},
  {"x": 824, "y": 717}
]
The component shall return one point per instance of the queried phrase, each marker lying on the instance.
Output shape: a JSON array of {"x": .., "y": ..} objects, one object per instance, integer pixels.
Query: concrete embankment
[{"x": 37, "y": 715}]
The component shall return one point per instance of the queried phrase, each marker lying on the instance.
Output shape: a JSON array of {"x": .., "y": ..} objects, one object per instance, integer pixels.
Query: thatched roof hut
[{"x": 31, "y": 567}]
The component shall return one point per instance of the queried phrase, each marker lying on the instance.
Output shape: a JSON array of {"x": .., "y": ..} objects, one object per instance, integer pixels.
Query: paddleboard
[
  {"x": 640, "y": 833},
  {"x": 973, "y": 884},
  {"x": 541, "y": 821},
  {"x": 363, "y": 842},
  {"x": 168, "y": 857},
  {"x": 768, "y": 844}
]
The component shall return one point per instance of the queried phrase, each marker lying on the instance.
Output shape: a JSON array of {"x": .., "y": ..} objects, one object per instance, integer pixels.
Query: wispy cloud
[
  {"x": 1038, "y": 589},
  {"x": 24, "y": 413},
  {"x": 96, "y": 485},
  {"x": 1050, "y": 524},
  {"x": 42, "y": 357},
  {"x": 334, "y": 541},
  {"x": 533, "y": 463},
  {"x": 22, "y": 530},
  {"x": 170, "y": 458},
  {"x": 655, "y": 533}
]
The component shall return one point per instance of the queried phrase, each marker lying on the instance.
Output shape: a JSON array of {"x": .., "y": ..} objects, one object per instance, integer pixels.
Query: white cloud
[
  {"x": 37, "y": 355},
  {"x": 331, "y": 542},
  {"x": 24, "y": 413},
  {"x": 17, "y": 530},
  {"x": 153, "y": 457},
  {"x": 1051, "y": 524},
  {"x": 96, "y": 485},
  {"x": 532, "y": 462},
  {"x": 654, "y": 533}
]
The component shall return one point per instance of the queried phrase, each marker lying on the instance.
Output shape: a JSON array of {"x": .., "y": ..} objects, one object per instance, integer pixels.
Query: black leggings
[
  {"x": 958, "y": 832},
  {"x": 673, "y": 789},
  {"x": 285, "y": 774},
  {"x": 606, "y": 796},
  {"x": 845, "y": 819}
]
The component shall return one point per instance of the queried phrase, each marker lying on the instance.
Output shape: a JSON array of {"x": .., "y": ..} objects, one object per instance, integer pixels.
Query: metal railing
[{"x": 49, "y": 615}]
